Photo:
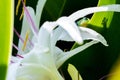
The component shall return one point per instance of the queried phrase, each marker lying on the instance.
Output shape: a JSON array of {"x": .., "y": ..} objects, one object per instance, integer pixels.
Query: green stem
[{"x": 6, "y": 34}]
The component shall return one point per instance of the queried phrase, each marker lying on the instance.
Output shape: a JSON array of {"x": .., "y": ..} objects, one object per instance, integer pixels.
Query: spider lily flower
[{"x": 43, "y": 60}]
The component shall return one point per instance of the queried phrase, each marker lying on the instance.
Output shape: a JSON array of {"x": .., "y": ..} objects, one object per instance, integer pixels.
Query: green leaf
[
  {"x": 115, "y": 72},
  {"x": 102, "y": 19},
  {"x": 6, "y": 33},
  {"x": 74, "y": 72},
  {"x": 53, "y": 10}
]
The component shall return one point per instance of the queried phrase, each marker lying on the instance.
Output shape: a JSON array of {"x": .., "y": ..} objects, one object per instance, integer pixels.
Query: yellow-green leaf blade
[
  {"x": 6, "y": 32},
  {"x": 115, "y": 72},
  {"x": 98, "y": 18},
  {"x": 74, "y": 72}
]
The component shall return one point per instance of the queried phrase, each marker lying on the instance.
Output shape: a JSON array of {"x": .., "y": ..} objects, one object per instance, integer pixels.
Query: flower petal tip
[
  {"x": 79, "y": 42},
  {"x": 102, "y": 40},
  {"x": 106, "y": 44}
]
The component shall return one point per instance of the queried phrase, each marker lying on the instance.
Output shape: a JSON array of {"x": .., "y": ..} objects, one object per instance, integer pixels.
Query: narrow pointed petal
[
  {"x": 86, "y": 34},
  {"x": 45, "y": 32},
  {"x": 81, "y": 13},
  {"x": 55, "y": 35},
  {"x": 63, "y": 35},
  {"x": 54, "y": 38},
  {"x": 25, "y": 28},
  {"x": 20, "y": 38},
  {"x": 66, "y": 55},
  {"x": 39, "y": 9},
  {"x": 31, "y": 22},
  {"x": 70, "y": 27},
  {"x": 57, "y": 52},
  {"x": 58, "y": 34},
  {"x": 89, "y": 34}
]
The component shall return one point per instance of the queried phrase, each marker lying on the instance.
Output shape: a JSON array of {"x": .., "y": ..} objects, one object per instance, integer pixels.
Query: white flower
[{"x": 42, "y": 61}]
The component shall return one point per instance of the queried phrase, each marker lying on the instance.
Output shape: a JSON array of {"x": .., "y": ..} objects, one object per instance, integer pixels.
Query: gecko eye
[{"x": 83, "y": 22}]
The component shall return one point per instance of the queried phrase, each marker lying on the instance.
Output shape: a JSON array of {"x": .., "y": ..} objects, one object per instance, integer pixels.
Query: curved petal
[
  {"x": 39, "y": 9},
  {"x": 66, "y": 55},
  {"x": 45, "y": 32},
  {"x": 57, "y": 52},
  {"x": 64, "y": 32},
  {"x": 71, "y": 28},
  {"x": 81, "y": 13},
  {"x": 58, "y": 34},
  {"x": 63, "y": 35},
  {"x": 31, "y": 22},
  {"x": 26, "y": 28},
  {"x": 87, "y": 34}
]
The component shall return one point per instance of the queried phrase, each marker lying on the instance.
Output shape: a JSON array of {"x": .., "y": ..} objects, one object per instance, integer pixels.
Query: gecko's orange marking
[
  {"x": 26, "y": 39},
  {"x": 17, "y": 8}
]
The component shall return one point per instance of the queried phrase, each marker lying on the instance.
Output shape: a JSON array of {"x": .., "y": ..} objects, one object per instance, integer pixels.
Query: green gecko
[{"x": 83, "y": 22}]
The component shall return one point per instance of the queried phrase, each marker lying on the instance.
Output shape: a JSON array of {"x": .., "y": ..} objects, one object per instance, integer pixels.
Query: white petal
[
  {"x": 15, "y": 59},
  {"x": 87, "y": 34},
  {"x": 64, "y": 36},
  {"x": 37, "y": 72},
  {"x": 25, "y": 28},
  {"x": 57, "y": 52},
  {"x": 44, "y": 33},
  {"x": 39, "y": 9},
  {"x": 39, "y": 58},
  {"x": 55, "y": 36},
  {"x": 12, "y": 71},
  {"x": 81, "y": 13},
  {"x": 32, "y": 72},
  {"x": 58, "y": 34},
  {"x": 66, "y": 55},
  {"x": 71, "y": 28},
  {"x": 39, "y": 55},
  {"x": 31, "y": 22}
]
